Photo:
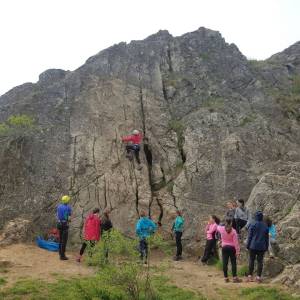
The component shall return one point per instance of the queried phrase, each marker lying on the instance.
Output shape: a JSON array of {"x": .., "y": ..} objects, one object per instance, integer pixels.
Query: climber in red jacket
[
  {"x": 135, "y": 140},
  {"x": 92, "y": 229}
]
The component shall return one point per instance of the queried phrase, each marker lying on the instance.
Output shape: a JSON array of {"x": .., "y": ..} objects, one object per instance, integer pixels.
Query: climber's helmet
[
  {"x": 65, "y": 199},
  {"x": 135, "y": 132}
]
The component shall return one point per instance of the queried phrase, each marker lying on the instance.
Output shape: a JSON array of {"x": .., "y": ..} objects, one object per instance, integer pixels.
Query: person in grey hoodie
[{"x": 241, "y": 216}]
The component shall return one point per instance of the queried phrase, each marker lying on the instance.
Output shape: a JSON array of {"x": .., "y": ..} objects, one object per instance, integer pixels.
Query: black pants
[
  {"x": 259, "y": 256},
  {"x": 229, "y": 252},
  {"x": 84, "y": 244},
  {"x": 143, "y": 248},
  {"x": 209, "y": 250},
  {"x": 178, "y": 236},
  {"x": 63, "y": 229},
  {"x": 136, "y": 150},
  {"x": 240, "y": 224}
]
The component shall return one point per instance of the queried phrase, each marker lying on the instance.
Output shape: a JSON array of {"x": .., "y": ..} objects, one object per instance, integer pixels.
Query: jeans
[
  {"x": 229, "y": 252},
  {"x": 209, "y": 250},
  {"x": 272, "y": 244},
  {"x": 259, "y": 256},
  {"x": 136, "y": 150},
  {"x": 63, "y": 228},
  {"x": 143, "y": 248},
  {"x": 178, "y": 235}
]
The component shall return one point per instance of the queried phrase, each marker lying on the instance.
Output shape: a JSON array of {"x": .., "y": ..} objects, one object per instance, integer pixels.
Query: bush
[{"x": 17, "y": 125}]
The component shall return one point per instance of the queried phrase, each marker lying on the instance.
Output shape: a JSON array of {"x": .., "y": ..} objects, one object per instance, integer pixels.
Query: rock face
[{"x": 216, "y": 127}]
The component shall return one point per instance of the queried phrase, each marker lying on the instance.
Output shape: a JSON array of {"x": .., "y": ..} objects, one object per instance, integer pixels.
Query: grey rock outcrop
[{"x": 214, "y": 131}]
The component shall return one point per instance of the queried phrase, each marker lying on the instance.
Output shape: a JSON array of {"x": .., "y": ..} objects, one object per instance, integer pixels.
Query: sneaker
[
  {"x": 258, "y": 279},
  {"x": 63, "y": 258},
  {"x": 226, "y": 279},
  {"x": 249, "y": 278},
  {"x": 236, "y": 280},
  {"x": 78, "y": 259}
]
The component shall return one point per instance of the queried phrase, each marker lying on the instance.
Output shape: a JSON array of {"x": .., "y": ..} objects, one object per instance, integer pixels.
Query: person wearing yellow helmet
[{"x": 63, "y": 214}]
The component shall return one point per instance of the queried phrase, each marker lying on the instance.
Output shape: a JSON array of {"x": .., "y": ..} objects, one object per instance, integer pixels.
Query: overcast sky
[{"x": 36, "y": 35}]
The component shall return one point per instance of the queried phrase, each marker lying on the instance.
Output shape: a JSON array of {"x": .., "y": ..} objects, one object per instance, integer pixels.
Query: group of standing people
[
  {"x": 261, "y": 235},
  {"x": 94, "y": 226}
]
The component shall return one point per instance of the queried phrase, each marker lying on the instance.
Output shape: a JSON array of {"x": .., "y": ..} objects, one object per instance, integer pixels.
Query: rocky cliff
[{"x": 217, "y": 126}]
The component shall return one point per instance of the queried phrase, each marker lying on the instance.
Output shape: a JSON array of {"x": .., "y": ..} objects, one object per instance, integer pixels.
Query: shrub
[{"x": 17, "y": 125}]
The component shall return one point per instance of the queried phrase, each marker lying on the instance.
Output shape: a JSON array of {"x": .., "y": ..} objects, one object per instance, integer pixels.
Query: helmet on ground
[
  {"x": 135, "y": 132},
  {"x": 65, "y": 199}
]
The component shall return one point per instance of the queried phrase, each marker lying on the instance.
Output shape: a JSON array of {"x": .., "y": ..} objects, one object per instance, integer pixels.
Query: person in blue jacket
[
  {"x": 257, "y": 244},
  {"x": 272, "y": 236},
  {"x": 63, "y": 214},
  {"x": 144, "y": 229},
  {"x": 177, "y": 228}
]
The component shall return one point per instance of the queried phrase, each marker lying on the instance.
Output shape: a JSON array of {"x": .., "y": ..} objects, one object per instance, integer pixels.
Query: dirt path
[
  {"x": 204, "y": 279},
  {"x": 29, "y": 261},
  {"x": 33, "y": 262}
]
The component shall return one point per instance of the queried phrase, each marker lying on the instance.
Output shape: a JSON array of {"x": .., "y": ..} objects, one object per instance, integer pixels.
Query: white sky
[{"x": 36, "y": 35}]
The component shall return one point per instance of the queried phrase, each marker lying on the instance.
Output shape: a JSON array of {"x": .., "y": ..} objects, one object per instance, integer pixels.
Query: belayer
[
  {"x": 63, "y": 214},
  {"x": 134, "y": 144}
]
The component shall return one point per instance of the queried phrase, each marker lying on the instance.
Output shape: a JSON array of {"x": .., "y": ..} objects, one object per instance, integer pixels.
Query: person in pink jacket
[
  {"x": 210, "y": 231},
  {"x": 230, "y": 249},
  {"x": 92, "y": 229},
  {"x": 135, "y": 140}
]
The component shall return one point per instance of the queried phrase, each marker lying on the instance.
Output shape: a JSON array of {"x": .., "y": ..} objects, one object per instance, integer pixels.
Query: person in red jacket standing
[
  {"x": 92, "y": 229},
  {"x": 135, "y": 140}
]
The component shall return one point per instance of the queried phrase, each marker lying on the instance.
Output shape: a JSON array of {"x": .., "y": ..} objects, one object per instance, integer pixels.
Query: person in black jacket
[
  {"x": 257, "y": 244},
  {"x": 106, "y": 226}
]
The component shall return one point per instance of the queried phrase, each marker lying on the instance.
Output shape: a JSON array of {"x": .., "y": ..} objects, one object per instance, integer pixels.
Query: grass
[
  {"x": 2, "y": 281},
  {"x": 90, "y": 288},
  {"x": 265, "y": 293}
]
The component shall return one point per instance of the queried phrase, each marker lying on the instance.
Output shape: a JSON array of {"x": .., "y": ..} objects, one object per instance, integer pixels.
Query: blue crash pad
[{"x": 48, "y": 245}]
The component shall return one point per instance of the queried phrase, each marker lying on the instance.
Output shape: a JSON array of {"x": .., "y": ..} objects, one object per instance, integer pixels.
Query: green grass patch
[
  {"x": 2, "y": 281},
  {"x": 91, "y": 288},
  {"x": 248, "y": 119},
  {"x": 214, "y": 104},
  {"x": 264, "y": 293}
]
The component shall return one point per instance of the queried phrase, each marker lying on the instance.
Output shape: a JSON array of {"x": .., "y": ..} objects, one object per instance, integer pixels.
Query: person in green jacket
[{"x": 177, "y": 228}]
